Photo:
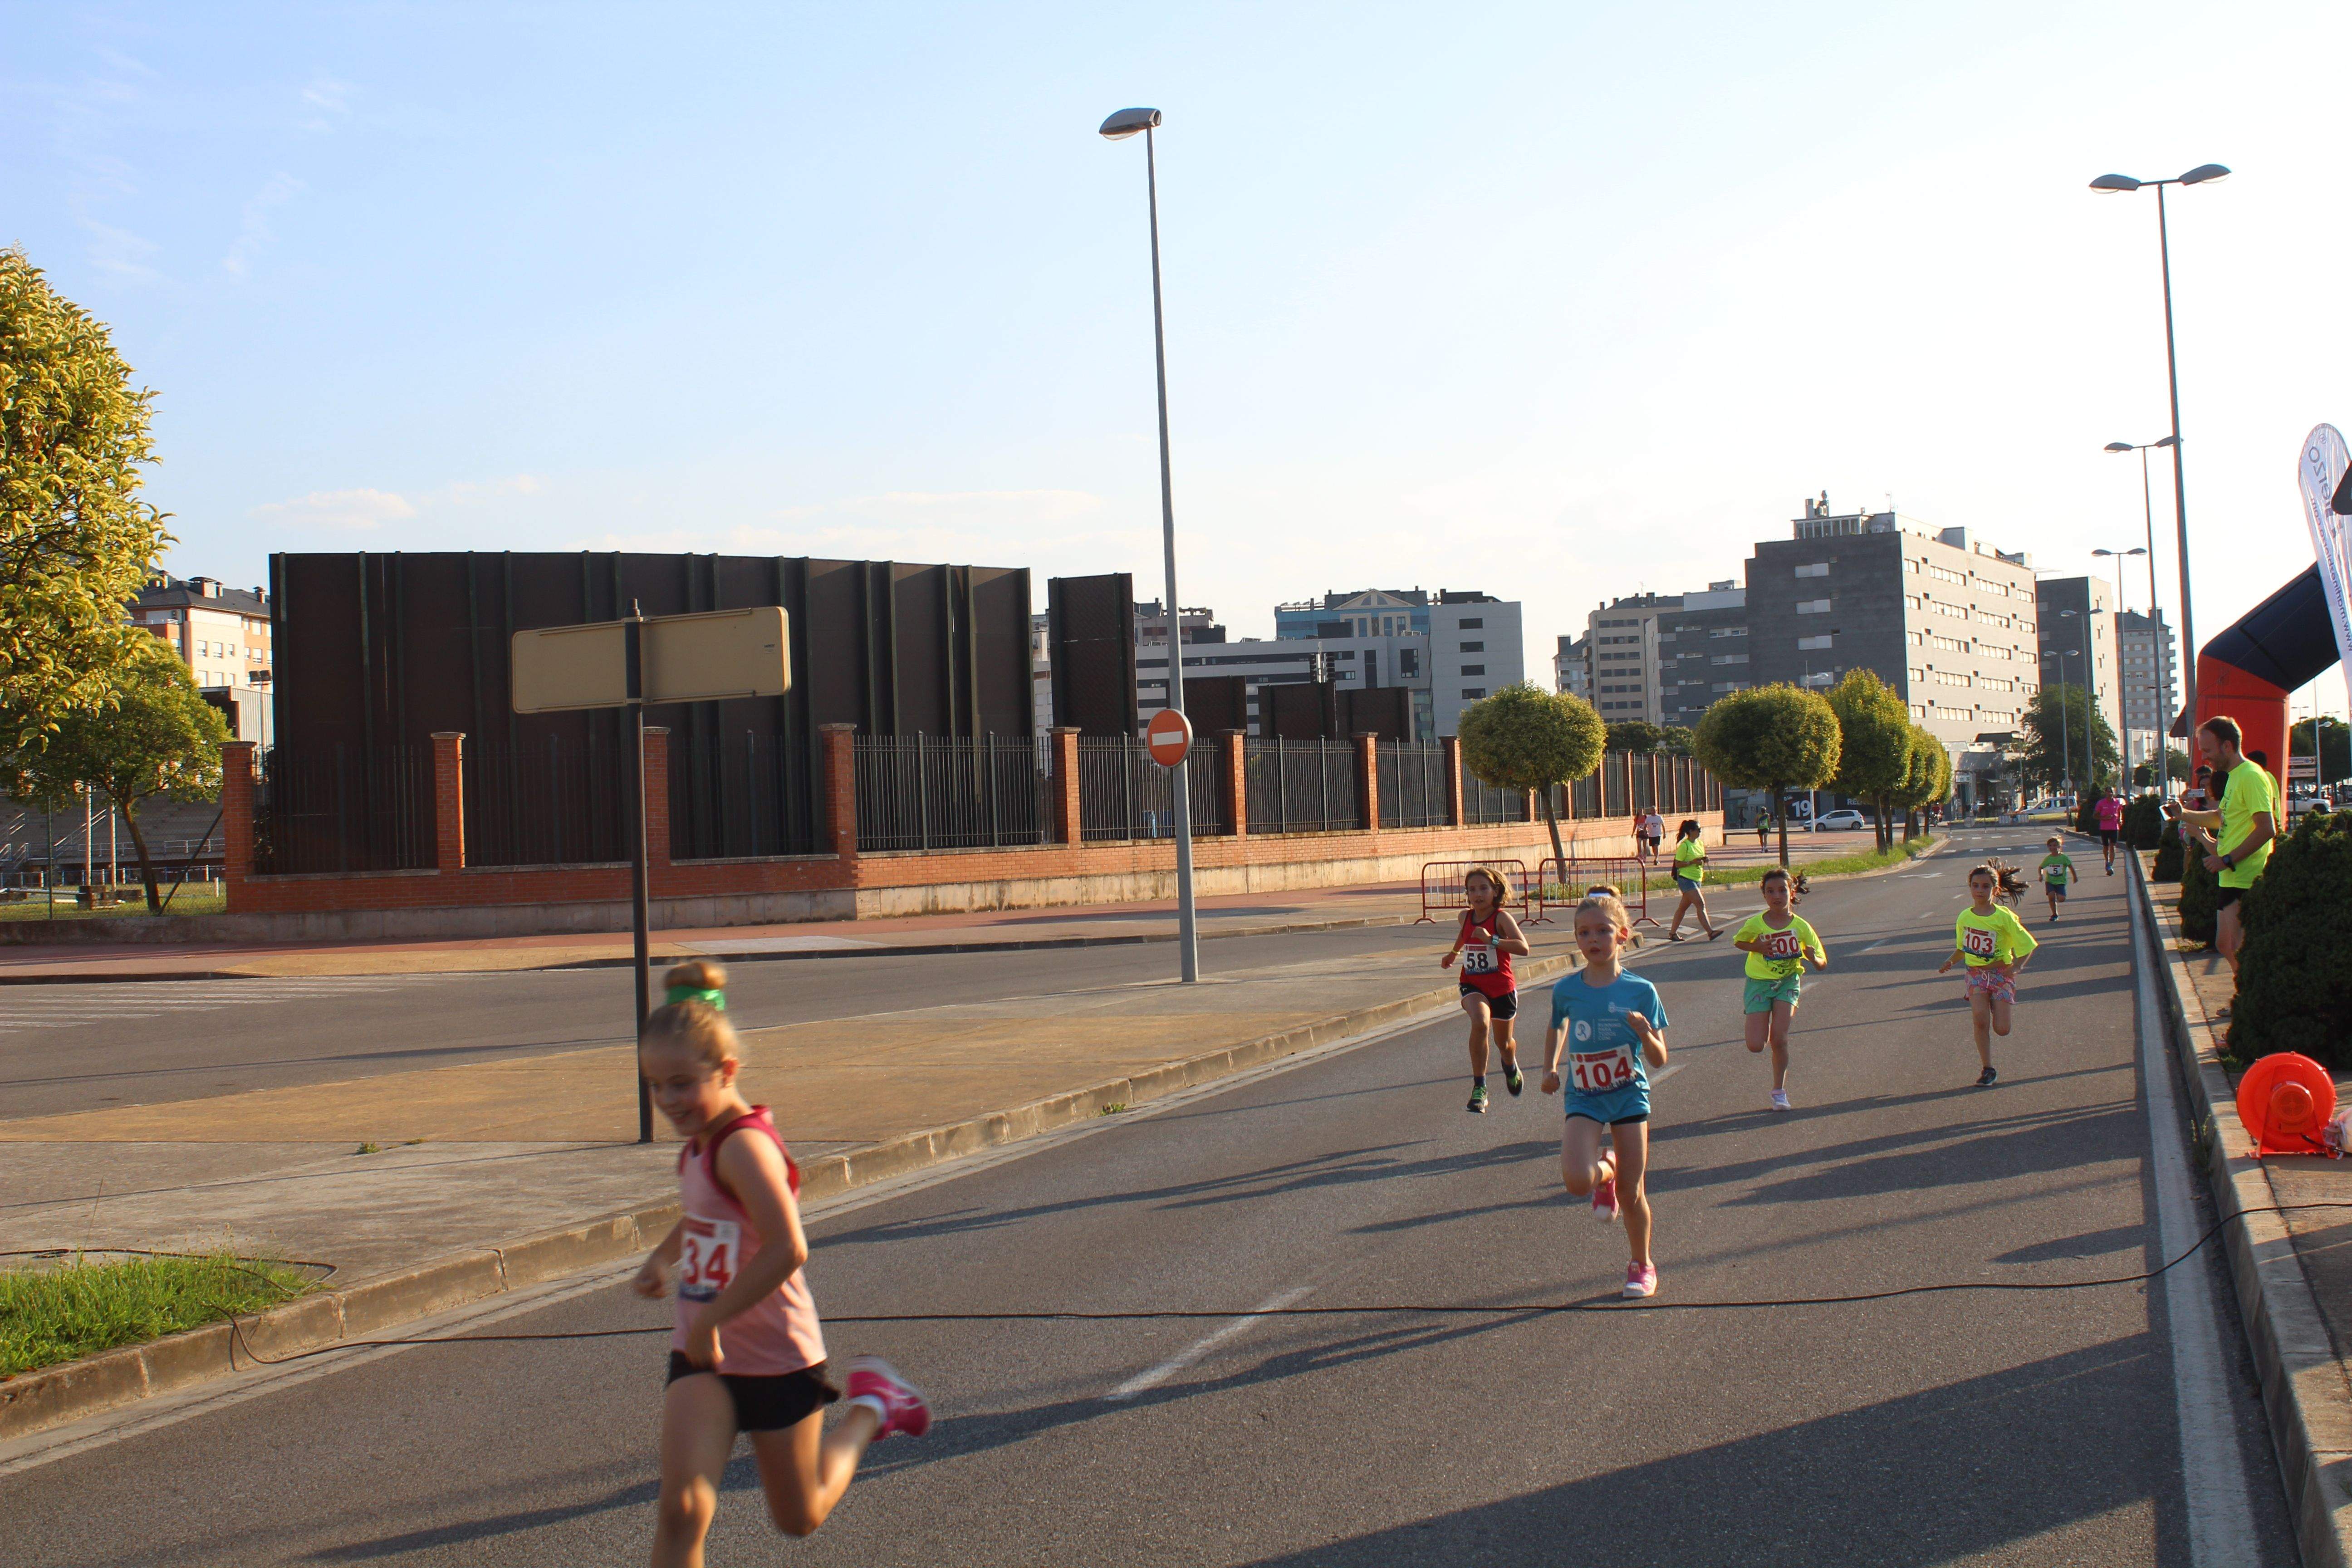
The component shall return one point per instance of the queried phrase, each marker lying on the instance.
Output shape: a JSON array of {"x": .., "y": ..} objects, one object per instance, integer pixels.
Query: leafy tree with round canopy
[
  {"x": 1874, "y": 746},
  {"x": 1525, "y": 738},
  {"x": 1927, "y": 778},
  {"x": 75, "y": 542},
  {"x": 159, "y": 740},
  {"x": 1638, "y": 736},
  {"x": 2054, "y": 726},
  {"x": 1774, "y": 738},
  {"x": 1674, "y": 740}
]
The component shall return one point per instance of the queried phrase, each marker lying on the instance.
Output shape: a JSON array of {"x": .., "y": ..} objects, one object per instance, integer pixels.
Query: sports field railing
[{"x": 950, "y": 792}]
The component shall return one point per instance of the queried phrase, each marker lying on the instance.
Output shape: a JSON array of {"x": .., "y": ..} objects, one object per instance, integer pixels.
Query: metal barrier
[
  {"x": 1563, "y": 882},
  {"x": 1444, "y": 893}
]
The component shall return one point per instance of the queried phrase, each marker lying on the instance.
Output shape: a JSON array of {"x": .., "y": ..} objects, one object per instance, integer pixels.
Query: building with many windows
[
  {"x": 2150, "y": 672},
  {"x": 1571, "y": 666},
  {"x": 222, "y": 635},
  {"x": 2078, "y": 644}
]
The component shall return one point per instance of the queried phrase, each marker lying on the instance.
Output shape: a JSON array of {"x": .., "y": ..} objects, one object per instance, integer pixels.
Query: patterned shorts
[{"x": 1993, "y": 981}]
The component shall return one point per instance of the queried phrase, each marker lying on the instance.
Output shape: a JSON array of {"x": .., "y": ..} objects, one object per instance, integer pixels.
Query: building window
[
  {"x": 1808, "y": 644},
  {"x": 1812, "y": 606},
  {"x": 1408, "y": 662},
  {"x": 1472, "y": 694},
  {"x": 1474, "y": 669},
  {"x": 1471, "y": 624},
  {"x": 1474, "y": 647},
  {"x": 1729, "y": 659},
  {"x": 1814, "y": 569},
  {"x": 1728, "y": 632}
]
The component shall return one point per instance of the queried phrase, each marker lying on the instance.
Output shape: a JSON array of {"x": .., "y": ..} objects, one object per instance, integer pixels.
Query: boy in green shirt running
[
  {"x": 1994, "y": 944},
  {"x": 1777, "y": 943},
  {"x": 2057, "y": 871}
]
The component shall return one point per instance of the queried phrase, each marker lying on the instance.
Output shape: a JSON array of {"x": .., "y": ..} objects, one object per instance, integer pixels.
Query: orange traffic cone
[{"x": 2284, "y": 1100}]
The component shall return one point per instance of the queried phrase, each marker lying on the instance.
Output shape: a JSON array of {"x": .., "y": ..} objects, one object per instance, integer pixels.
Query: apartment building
[
  {"x": 222, "y": 635},
  {"x": 1571, "y": 666},
  {"x": 1703, "y": 653},
  {"x": 1622, "y": 635},
  {"x": 2078, "y": 642},
  {"x": 2149, "y": 671}
]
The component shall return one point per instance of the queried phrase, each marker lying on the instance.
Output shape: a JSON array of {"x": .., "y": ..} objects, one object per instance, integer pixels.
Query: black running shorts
[
  {"x": 767, "y": 1404},
  {"x": 1501, "y": 1008}
]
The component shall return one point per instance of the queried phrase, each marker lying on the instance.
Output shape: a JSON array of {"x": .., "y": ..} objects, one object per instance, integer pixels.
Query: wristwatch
[{"x": 2227, "y": 862}]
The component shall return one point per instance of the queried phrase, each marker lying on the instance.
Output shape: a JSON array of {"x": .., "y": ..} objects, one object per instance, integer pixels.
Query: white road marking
[
  {"x": 1175, "y": 1364},
  {"x": 2213, "y": 1473}
]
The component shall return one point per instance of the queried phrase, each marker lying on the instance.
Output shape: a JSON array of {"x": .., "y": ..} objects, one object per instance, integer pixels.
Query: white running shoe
[{"x": 1779, "y": 1099}]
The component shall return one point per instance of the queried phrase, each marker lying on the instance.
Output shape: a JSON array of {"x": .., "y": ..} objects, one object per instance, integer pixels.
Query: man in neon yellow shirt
[{"x": 2248, "y": 822}]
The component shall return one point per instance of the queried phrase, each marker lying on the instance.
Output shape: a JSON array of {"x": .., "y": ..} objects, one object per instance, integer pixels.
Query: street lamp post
[
  {"x": 2163, "y": 759},
  {"x": 2065, "y": 719},
  {"x": 1117, "y": 127},
  {"x": 2196, "y": 176},
  {"x": 2123, "y": 683}
]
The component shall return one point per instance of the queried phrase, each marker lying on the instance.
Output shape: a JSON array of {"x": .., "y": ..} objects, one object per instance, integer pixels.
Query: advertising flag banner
[{"x": 2321, "y": 471}]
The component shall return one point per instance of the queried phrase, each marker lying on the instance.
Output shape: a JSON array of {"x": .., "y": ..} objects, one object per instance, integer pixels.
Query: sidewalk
[
  {"x": 475, "y": 1157},
  {"x": 1245, "y": 914},
  {"x": 2293, "y": 1271}
]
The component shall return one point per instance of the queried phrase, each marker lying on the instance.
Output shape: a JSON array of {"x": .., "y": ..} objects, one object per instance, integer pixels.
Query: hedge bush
[
  {"x": 2198, "y": 906},
  {"x": 2087, "y": 814},
  {"x": 2295, "y": 978},
  {"x": 2143, "y": 822},
  {"x": 2167, "y": 854}
]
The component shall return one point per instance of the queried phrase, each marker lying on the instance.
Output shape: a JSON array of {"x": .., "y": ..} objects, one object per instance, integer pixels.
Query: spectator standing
[{"x": 2247, "y": 821}]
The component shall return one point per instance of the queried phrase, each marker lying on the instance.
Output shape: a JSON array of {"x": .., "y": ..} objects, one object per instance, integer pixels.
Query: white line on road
[
  {"x": 2213, "y": 1473},
  {"x": 1175, "y": 1364}
]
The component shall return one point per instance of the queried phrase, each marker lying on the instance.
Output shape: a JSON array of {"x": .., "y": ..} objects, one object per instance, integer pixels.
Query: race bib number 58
[
  {"x": 708, "y": 1256},
  {"x": 1478, "y": 959},
  {"x": 1980, "y": 942}
]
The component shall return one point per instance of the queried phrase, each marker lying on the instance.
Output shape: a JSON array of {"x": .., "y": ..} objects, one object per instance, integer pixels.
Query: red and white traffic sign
[{"x": 1168, "y": 737}]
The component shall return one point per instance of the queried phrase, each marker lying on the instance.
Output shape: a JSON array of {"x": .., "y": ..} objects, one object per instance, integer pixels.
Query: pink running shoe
[
  {"x": 903, "y": 1410},
  {"x": 1640, "y": 1279},
  {"x": 1604, "y": 1202}
]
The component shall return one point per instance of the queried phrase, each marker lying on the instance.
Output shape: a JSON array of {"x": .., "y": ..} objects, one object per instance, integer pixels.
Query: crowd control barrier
[{"x": 1441, "y": 887}]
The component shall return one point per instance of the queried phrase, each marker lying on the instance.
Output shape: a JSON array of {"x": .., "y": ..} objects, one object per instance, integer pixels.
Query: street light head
[
  {"x": 2204, "y": 172},
  {"x": 2169, "y": 441},
  {"x": 2114, "y": 182},
  {"x": 2120, "y": 446},
  {"x": 1127, "y": 122}
]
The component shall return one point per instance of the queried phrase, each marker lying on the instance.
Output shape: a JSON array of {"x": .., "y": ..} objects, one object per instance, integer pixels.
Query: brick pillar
[
  {"x": 1237, "y": 779},
  {"x": 657, "y": 804},
  {"x": 1068, "y": 826},
  {"x": 449, "y": 800},
  {"x": 1368, "y": 777},
  {"x": 841, "y": 787},
  {"x": 236, "y": 818},
  {"x": 1453, "y": 747}
]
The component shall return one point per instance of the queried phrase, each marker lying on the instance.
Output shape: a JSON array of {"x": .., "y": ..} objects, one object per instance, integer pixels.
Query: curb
[
  {"x": 2306, "y": 1395},
  {"x": 52, "y": 1397},
  {"x": 903, "y": 949}
]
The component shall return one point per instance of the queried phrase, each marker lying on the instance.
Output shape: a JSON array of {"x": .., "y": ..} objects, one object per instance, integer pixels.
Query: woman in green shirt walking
[{"x": 1690, "y": 867}]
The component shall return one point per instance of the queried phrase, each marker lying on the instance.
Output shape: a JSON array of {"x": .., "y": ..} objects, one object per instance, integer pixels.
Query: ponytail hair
[{"x": 694, "y": 1016}]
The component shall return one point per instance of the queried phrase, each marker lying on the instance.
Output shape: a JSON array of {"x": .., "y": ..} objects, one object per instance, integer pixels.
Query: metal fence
[
  {"x": 332, "y": 810},
  {"x": 1483, "y": 803},
  {"x": 734, "y": 796},
  {"x": 546, "y": 803},
  {"x": 1412, "y": 783},
  {"x": 1301, "y": 787},
  {"x": 1123, "y": 794},
  {"x": 941, "y": 792}
]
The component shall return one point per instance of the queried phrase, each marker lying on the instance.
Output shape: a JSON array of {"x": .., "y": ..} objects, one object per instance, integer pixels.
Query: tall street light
[
  {"x": 2123, "y": 683},
  {"x": 2163, "y": 758},
  {"x": 2065, "y": 719},
  {"x": 1117, "y": 127},
  {"x": 2196, "y": 176}
]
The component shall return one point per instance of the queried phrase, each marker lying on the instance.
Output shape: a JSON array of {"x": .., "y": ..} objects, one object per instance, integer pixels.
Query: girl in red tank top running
[
  {"x": 747, "y": 1354},
  {"x": 1490, "y": 993}
]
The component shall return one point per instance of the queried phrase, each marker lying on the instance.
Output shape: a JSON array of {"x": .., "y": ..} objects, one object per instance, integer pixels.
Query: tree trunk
[
  {"x": 1551, "y": 820},
  {"x": 1781, "y": 812},
  {"x": 1885, "y": 829},
  {"x": 146, "y": 865}
]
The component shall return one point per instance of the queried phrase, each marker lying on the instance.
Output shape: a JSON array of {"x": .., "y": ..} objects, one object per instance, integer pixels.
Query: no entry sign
[{"x": 1168, "y": 737}]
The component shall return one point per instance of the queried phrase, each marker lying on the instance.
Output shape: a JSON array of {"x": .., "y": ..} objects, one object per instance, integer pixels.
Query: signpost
[
  {"x": 1169, "y": 737},
  {"x": 627, "y": 664}
]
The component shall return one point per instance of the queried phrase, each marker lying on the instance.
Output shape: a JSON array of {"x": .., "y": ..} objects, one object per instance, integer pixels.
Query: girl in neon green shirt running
[
  {"x": 1777, "y": 943},
  {"x": 1994, "y": 944}
]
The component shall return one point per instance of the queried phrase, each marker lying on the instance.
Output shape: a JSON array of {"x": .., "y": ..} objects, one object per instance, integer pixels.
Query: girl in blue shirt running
[{"x": 1613, "y": 1028}]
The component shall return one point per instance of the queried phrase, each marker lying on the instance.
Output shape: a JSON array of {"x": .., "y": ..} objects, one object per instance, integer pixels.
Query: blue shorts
[
  {"x": 1631, "y": 1103},
  {"x": 1687, "y": 884}
]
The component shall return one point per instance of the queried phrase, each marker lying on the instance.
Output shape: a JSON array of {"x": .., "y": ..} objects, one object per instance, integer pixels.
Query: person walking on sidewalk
[
  {"x": 1690, "y": 869},
  {"x": 1994, "y": 944},
  {"x": 1778, "y": 942},
  {"x": 2247, "y": 821},
  {"x": 1764, "y": 830},
  {"x": 1614, "y": 1028},
  {"x": 2110, "y": 814},
  {"x": 747, "y": 1354},
  {"x": 1489, "y": 939},
  {"x": 1653, "y": 829}
]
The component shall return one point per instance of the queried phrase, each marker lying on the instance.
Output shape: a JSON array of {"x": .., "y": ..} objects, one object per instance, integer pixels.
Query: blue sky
[{"x": 1557, "y": 301}]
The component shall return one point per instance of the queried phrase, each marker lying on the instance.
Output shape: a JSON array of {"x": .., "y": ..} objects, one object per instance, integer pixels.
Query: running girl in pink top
[
  {"x": 747, "y": 1354},
  {"x": 2110, "y": 812}
]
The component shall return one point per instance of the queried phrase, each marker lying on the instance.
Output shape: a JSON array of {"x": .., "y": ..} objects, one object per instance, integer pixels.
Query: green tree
[
  {"x": 2176, "y": 762},
  {"x": 1874, "y": 743},
  {"x": 1675, "y": 739},
  {"x": 1774, "y": 738},
  {"x": 75, "y": 542},
  {"x": 160, "y": 739},
  {"x": 2052, "y": 738},
  {"x": 2334, "y": 747},
  {"x": 1926, "y": 780},
  {"x": 1635, "y": 735},
  {"x": 1524, "y": 737}
]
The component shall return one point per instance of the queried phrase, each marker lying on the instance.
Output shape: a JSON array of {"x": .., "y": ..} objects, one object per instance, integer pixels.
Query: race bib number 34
[
  {"x": 707, "y": 1256},
  {"x": 1980, "y": 942}
]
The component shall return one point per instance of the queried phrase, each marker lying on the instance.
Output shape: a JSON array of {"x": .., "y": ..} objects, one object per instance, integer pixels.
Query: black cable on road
[{"x": 1432, "y": 1309}]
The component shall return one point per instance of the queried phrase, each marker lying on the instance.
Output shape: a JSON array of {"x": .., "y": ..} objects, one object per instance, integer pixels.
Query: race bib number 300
[
  {"x": 1979, "y": 943},
  {"x": 707, "y": 1256},
  {"x": 1598, "y": 1072}
]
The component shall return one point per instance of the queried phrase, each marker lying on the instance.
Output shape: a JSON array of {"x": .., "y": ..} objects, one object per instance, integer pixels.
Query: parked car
[{"x": 1841, "y": 821}]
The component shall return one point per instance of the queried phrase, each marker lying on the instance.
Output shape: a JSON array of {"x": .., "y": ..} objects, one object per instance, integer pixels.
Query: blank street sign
[{"x": 685, "y": 658}]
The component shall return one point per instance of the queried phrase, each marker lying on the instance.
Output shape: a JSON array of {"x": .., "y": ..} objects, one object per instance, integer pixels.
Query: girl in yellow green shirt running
[
  {"x": 1994, "y": 944},
  {"x": 1777, "y": 943}
]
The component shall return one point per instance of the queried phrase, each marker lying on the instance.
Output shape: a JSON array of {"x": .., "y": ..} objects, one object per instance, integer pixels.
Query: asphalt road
[
  {"x": 2013, "y": 1427},
  {"x": 85, "y": 1048}
]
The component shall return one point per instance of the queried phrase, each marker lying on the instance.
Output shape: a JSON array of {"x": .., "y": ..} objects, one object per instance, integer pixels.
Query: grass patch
[
  {"x": 1748, "y": 876},
  {"x": 1113, "y": 1109},
  {"x": 79, "y": 1307},
  {"x": 194, "y": 899}
]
